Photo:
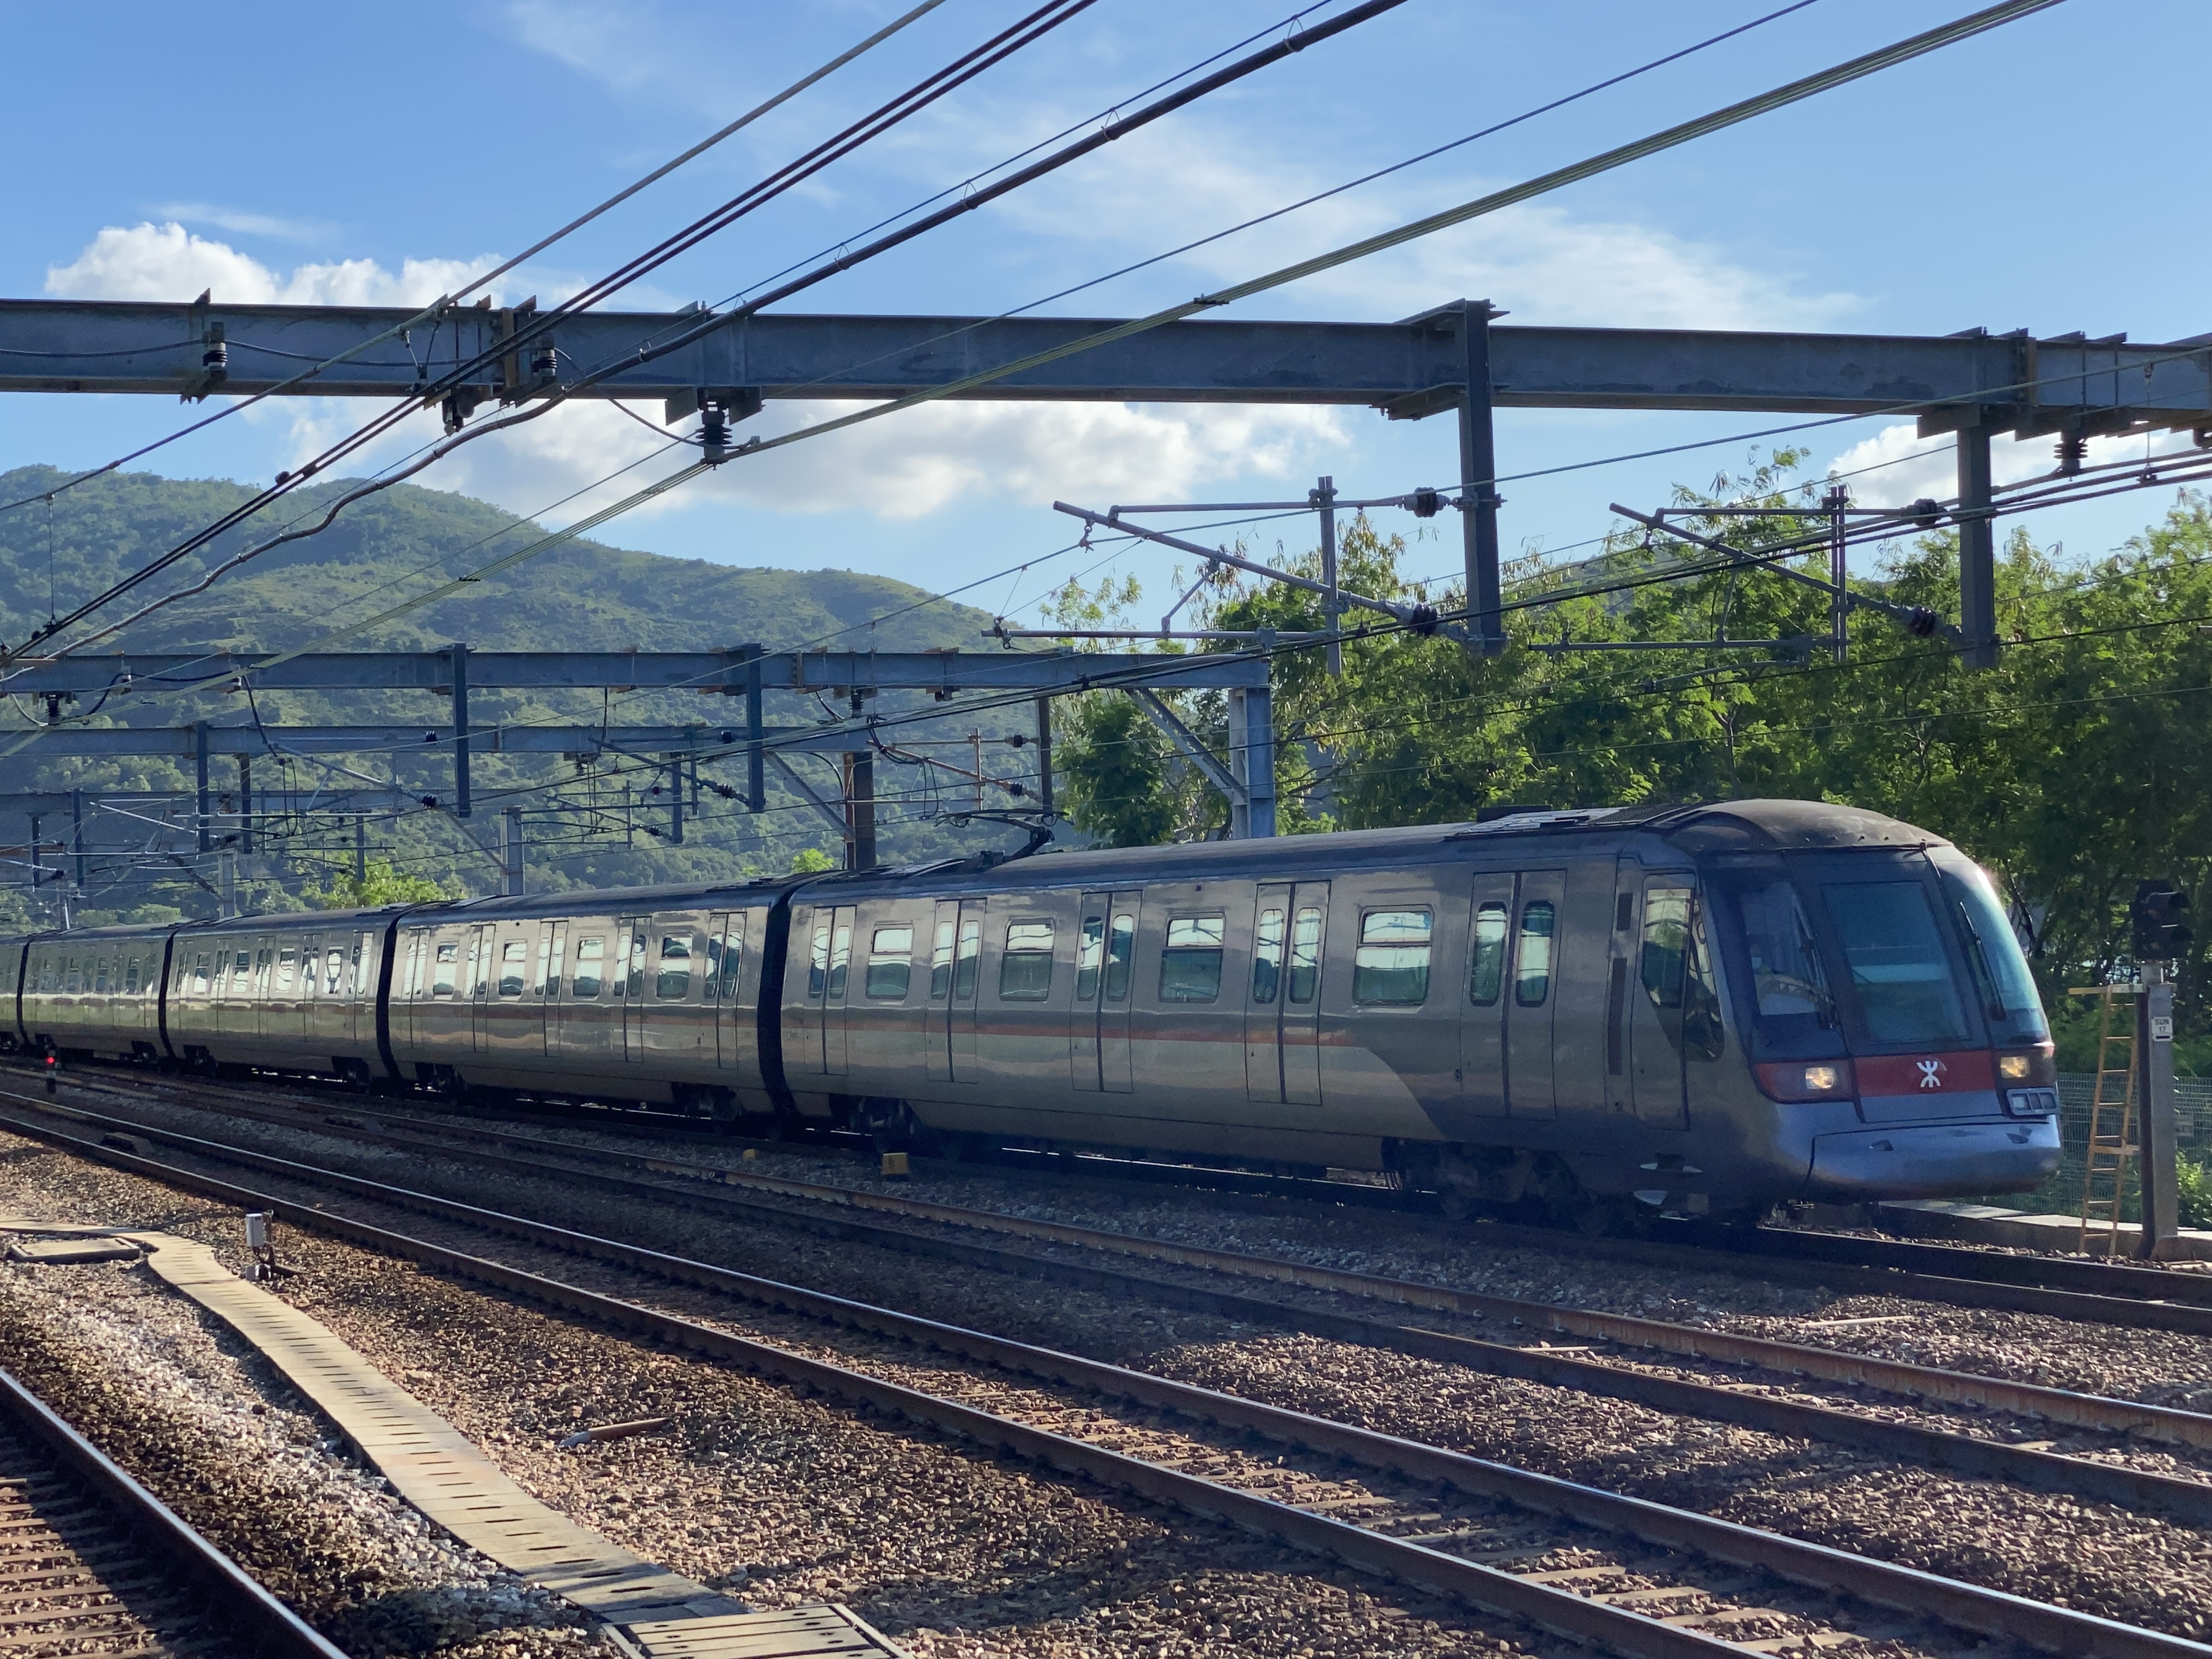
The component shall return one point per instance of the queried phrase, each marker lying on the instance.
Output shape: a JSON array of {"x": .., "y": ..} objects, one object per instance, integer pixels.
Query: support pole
[
  {"x": 200, "y": 805},
  {"x": 755, "y": 756},
  {"x": 460, "y": 653},
  {"x": 2159, "y": 1123},
  {"x": 1978, "y": 579},
  {"x": 76, "y": 833},
  {"x": 227, "y": 899},
  {"x": 1331, "y": 605},
  {"x": 1839, "y": 603},
  {"x": 359, "y": 849},
  {"x": 676, "y": 803},
  {"x": 1044, "y": 755},
  {"x": 860, "y": 810},
  {"x": 38, "y": 870},
  {"x": 1252, "y": 762},
  {"x": 246, "y": 803},
  {"x": 511, "y": 849},
  {"x": 1478, "y": 472}
]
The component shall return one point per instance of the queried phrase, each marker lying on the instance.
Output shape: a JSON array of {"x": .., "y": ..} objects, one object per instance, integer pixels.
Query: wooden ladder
[{"x": 2112, "y": 1113}]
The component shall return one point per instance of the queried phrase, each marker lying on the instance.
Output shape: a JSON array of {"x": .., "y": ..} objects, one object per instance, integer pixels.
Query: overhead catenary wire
[
  {"x": 783, "y": 180},
  {"x": 437, "y": 308}
]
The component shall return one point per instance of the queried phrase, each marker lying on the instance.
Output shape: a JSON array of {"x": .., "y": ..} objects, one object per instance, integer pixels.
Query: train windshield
[
  {"x": 2002, "y": 980},
  {"x": 1893, "y": 947},
  {"x": 1792, "y": 1009}
]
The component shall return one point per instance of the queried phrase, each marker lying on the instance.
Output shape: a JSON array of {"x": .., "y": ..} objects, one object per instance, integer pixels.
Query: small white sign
[{"x": 2161, "y": 1028}]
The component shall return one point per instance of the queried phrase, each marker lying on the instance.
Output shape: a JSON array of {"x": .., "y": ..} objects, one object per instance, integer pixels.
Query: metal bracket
[{"x": 1184, "y": 740}]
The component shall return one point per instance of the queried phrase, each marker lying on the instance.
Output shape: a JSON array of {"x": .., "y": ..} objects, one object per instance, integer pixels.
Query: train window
[
  {"x": 724, "y": 956},
  {"x": 514, "y": 966},
  {"x": 2001, "y": 972},
  {"x": 890, "y": 963},
  {"x": 263, "y": 959},
  {"x": 333, "y": 970},
  {"x": 131, "y": 977},
  {"x": 818, "y": 961},
  {"x": 1391, "y": 965},
  {"x": 941, "y": 963},
  {"x": 673, "y": 982},
  {"x": 1025, "y": 970},
  {"x": 1666, "y": 939},
  {"x": 1532, "y": 974},
  {"x": 1903, "y": 979},
  {"x": 200, "y": 974},
  {"x": 840, "y": 956},
  {"x": 73, "y": 976},
  {"x": 1267, "y": 957},
  {"x": 1486, "y": 966},
  {"x": 969, "y": 962},
  {"x": 444, "y": 973},
  {"x": 288, "y": 965},
  {"x": 1090, "y": 955},
  {"x": 100, "y": 977},
  {"x": 590, "y": 961},
  {"x": 1306, "y": 955},
  {"x": 1190, "y": 964},
  {"x": 1120, "y": 952},
  {"x": 49, "y": 975}
]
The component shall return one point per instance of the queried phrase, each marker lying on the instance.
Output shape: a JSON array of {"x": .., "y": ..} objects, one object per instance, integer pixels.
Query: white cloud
[
  {"x": 166, "y": 263},
  {"x": 906, "y": 466},
  {"x": 1912, "y": 466},
  {"x": 1159, "y": 189},
  {"x": 248, "y": 224}
]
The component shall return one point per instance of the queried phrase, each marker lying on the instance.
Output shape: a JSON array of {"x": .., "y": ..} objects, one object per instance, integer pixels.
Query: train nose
[{"x": 1933, "y": 1160}]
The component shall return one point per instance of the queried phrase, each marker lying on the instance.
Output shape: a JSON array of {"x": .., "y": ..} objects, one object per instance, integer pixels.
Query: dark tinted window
[
  {"x": 1190, "y": 965},
  {"x": 671, "y": 982},
  {"x": 1267, "y": 957},
  {"x": 1391, "y": 965},
  {"x": 1121, "y": 948},
  {"x": 2001, "y": 981},
  {"x": 1486, "y": 970},
  {"x": 1306, "y": 955},
  {"x": 1025, "y": 970},
  {"x": 1532, "y": 978},
  {"x": 1091, "y": 953},
  {"x": 1894, "y": 953},
  {"x": 890, "y": 963}
]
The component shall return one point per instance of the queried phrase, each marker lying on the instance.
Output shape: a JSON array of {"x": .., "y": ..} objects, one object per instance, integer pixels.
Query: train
[{"x": 1704, "y": 1010}]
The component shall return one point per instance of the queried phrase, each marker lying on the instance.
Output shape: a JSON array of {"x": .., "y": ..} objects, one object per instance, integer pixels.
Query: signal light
[
  {"x": 2155, "y": 923},
  {"x": 54, "y": 1068}
]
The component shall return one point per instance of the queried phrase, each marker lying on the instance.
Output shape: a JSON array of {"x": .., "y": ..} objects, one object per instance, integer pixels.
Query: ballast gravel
[
  {"x": 777, "y": 1498},
  {"x": 2094, "y": 1557}
]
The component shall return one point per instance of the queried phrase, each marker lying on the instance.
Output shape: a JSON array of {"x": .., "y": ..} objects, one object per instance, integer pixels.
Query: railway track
[
  {"x": 1615, "y": 1362},
  {"x": 1633, "y": 1577},
  {"x": 91, "y": 1563}
]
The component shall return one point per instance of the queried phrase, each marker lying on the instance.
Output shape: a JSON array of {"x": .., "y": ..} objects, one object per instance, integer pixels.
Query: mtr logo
[{"x": 1926, "y": 1074}]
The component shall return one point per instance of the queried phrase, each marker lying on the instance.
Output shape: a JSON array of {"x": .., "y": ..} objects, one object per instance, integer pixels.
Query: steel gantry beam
[
  {"x": 83, "y": 741},
  {"x": 1416, "y": 368}
]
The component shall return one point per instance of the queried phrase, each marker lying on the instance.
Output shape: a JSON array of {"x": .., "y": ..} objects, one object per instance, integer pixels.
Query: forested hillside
[{"x": 585, "y": 596}]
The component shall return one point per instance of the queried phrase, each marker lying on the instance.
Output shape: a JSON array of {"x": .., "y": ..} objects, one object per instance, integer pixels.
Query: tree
[
  {"x": 811, "y": 861},
  {"x": 1114, "y": 769},
  {"x": 379, "y": 884}
]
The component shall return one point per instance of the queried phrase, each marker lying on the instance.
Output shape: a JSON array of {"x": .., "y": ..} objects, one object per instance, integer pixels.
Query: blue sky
[{"x": 2042, "y": 176}]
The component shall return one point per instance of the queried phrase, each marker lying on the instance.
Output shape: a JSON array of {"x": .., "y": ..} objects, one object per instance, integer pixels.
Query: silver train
[{"x": 1703, "y": 1010}]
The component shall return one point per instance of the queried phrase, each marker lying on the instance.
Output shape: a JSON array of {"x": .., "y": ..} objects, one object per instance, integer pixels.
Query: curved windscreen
[
  {"x": 2002, "y": 979},
  {"x": 1790, "y": 1005},
  {"x": 1893, "y": 950}
]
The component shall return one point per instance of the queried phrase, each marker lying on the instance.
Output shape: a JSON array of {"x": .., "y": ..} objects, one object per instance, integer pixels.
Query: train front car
[{"x": 1892, "y": 1042}]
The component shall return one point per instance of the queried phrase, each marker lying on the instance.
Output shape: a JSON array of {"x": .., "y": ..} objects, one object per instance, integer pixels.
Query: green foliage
[
  {"x": 379, "y": 885},
  {"x": 2194, "y": 1181},
  {"x": 1114, "y": 769},
  {"x": 811, "y": 861}
]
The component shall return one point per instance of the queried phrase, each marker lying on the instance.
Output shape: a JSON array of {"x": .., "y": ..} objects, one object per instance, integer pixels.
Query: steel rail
[
  {"x": 1827, "y": 1364},
  {"x": 1970, "y": 1606},
  {"x": 2179, "y": 1496},
  {"x": 274, "y": 1627}
]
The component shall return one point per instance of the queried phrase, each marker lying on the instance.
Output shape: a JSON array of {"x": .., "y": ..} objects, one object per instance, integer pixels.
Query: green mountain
[{"x": 586, "y": 595}]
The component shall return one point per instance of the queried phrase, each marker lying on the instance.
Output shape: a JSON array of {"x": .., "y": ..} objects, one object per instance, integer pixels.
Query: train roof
[{"x": 1736, "y": 826}]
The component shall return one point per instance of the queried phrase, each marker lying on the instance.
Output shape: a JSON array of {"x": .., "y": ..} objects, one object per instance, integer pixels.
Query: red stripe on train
[{"x": 1926, "y": 1074}]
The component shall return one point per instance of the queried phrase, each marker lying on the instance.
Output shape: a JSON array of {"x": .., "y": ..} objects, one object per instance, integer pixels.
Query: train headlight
[
  {"x": 2035, "y": 1064},
  {"x": 2012, "y": 1068},
  {"x": 1806, "y": 1080}
]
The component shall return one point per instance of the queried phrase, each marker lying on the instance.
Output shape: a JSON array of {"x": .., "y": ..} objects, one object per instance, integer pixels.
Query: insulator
[
  {"x": 2072, "y": 451},
  {"x": 714, "y": 433},
  {"x": 216, "y": 360},
  {"x": 1924, "y": 513},
  {"x": 1920, "y": 622},
  {"x": 544, "y": 363},
  {"x": 1422, "y": 619},
  {"x": 1427, "y": 502}
]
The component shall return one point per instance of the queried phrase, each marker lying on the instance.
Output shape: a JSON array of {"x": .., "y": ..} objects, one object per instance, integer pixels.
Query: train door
[
  {"x": 1672, "y": 1015},
  {"x": 967, "y": 986},
  {"x": 834, "y": 989},
  {"x": 1533, "y": 996},
  {"x": 1098, "y": 1023},
  {"x": 937, "y": 1045},
  {"x": 484, "y": 944},
  {"x": 628, "y": 976},
  {"x": 725, "y": 937},
  {"x": 1282, "y": 1020},
  {"x": 1482, "y": 1017},
  {"x": 360, "y": 988},
  {"x": 552, "y": 947}
]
